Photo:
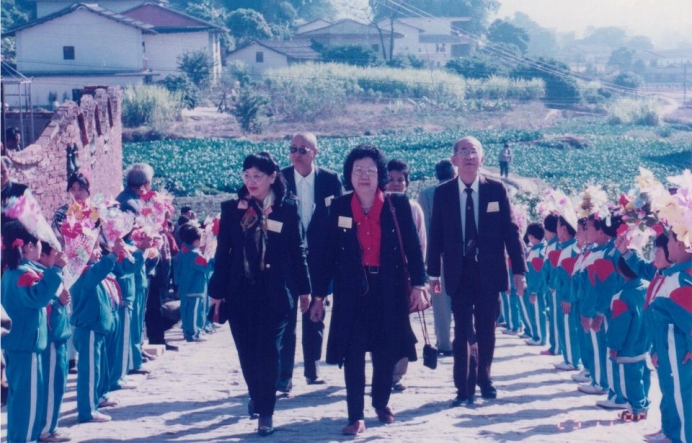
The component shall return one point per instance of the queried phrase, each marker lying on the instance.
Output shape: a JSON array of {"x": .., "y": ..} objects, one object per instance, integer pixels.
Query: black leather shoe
[
  {"x": 171, "y": 348},
  {"x": 488, "y": 390},
  {"x": 316, "y": 381},
  {"x": 265, "y": 427},
  {"x": 461, "y": 401}
]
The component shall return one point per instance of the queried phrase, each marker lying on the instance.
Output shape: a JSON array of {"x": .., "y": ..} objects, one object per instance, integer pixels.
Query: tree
[
  {"x": 477, "y": 66},
  {"x": 207, "y": 11},
  {"x": 640, "y": 43},
  {"x": 359, "y": 55},
  {"x": 560, "y": 88},
  {"x": 610, "y": 36},
  {"x": 247, "y": 25},
  {"x": 501, "y": 31},
  {"x": 197, "y": 66},
  {"x": 628, "y": 80},
  {"x": 621, "y": 59},
  {"x": 542, "y": 41},
  {"x": 477, "y": 10},
  {"x": 284, "y": 12}
]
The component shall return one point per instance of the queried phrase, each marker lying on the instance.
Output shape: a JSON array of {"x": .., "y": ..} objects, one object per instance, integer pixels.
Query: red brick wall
[{"x": 43, "y": 165}]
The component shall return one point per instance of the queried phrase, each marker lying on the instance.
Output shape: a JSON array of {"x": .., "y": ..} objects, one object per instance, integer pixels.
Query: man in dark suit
[
  {"x": 472, "y": 227},
  {"x": 314, "y": 187}
]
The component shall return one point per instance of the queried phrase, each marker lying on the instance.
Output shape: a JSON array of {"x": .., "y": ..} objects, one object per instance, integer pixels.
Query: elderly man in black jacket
[{"x": 473, "y": 229}]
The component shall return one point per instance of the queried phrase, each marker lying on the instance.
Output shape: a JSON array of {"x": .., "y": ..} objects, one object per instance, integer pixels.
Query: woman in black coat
[
  {"x": 260, "y": 249},
  {"x": 371, "y": 307}
]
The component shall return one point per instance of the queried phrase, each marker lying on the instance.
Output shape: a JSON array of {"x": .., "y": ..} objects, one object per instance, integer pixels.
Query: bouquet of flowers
[
  {"x": 80, "y": 237},
  {"x": 547, "y": 205},
  {"x": 115, "y": 224},
  {"x": 210, "y": 235},
  {"x": 594, "y": 201},
  {"x": 154, "y": 213},
  {"x": 676, "y": 209},
  {"x": 26, "y": 209},
  {"x": 564, "y": 207}
]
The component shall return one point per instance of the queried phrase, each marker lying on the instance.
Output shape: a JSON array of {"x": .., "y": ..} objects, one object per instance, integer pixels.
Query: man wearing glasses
[
  {"x": 472, "y": 226},
  {"x": 314, "y": 187}
]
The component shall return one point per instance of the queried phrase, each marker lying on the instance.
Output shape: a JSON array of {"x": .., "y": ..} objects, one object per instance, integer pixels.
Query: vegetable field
[{"x": 613, "y": 155}]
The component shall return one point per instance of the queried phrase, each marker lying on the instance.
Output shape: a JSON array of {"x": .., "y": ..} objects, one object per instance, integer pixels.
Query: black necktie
[{"x": 471, "y": 233}]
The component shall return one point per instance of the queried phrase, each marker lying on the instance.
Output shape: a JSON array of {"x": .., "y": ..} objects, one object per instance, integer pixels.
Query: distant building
[
  {"x": 87, "y": 44},
  {"x": 261, "y": 55},
  {"x": 311, "y": 26}
]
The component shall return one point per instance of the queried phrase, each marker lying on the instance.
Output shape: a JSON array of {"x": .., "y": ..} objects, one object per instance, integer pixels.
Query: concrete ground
[{"x": 198, "y": 395}]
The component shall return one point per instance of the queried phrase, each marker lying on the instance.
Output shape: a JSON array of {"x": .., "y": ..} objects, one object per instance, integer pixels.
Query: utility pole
[{"x": 684, "y": 85}]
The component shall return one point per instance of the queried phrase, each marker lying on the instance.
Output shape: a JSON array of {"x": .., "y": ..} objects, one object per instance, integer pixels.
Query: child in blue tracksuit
[
  {"x": 579, "y": 277},
  {"x": 25, "y": 293},
  {"x": 534, "y": 296},
  {"x": 672, "y": 333},
  {"x": 626, "y": 338},
  {"x": 92, "y": 318},
  {"x": 509, "y": 303},
  {"x": 55, "y": 365},
  {"x": 193, "y": 271},
  {"x": 551, "y": 254}
]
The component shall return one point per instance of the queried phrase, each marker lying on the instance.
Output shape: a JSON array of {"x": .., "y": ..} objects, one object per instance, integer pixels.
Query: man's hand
[
  {"x": 654, "y": 360},
  {"x": 304, "y": 303},
  {"x": 216, "y": 305},
  {"x": 533, "y": 298},
  {"x": 64, "y": 297},
  {"x": 566, "y": 307},
  {"x": 436, "y": 286},
  {"x": 418, "y": 300},
  {"x": 613, "y": 354},
  {"x": 519, "y": 283},
  {"x": 317, "y": 310}
]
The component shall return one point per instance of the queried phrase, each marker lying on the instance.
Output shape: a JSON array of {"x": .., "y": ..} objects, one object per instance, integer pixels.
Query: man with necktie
[{"x": 472, "y": 227}]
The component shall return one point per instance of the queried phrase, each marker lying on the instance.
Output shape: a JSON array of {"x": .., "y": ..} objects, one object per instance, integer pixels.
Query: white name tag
[
  {"x": 345, "y": 222},
  {"x": 274, "y": 226},
  {"x": 328, "y": 201},
  {"x": 493, "y": 207}
]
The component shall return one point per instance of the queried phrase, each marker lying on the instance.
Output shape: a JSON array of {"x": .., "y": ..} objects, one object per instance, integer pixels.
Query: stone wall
[{"x": 91, "y": 130}]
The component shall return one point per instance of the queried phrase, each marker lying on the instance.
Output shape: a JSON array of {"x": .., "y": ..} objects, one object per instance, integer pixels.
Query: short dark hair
[
  {"x": 46, "y": 248},
  {"x": 185, "y": 209},
  {"x": 263, "y": 161},
  {"x": 190, "y": 233},
  {"x": 396, "y": 164},
  {"x": 550, "y": 223},
  {"x": 12, "y": 133},
  {"x": 80, "y": 178},
  {"x": 365, "y": 151},
  {"x": 611, "y": 230},
  {"x": 12, "y": 253},
  {"x": 662, "y": 242},
  {"x": 444, "y": 170},
  {"x": 625, "y": 270},
  {"x": 536, "y": 230},
  {"x": 182, "y": 220},
  {"x": 570, "y": 229}
]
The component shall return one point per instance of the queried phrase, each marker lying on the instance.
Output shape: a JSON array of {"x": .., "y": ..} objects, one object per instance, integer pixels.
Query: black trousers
[
  {"x": 313, "y": 336},
  {"x": 364, "y": 337},
  {"x": 475, "y": 316},
  {"x": 158, "y": 288},
  {"x": 257, "y": 330}
]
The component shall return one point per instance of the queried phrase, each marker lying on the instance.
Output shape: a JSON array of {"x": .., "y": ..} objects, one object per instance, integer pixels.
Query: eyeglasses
[
  {"x": 253, "y": 177},
  {"x": 365, "y": 171},
  {"x": 302, "y": 149},
  {"x": 468, "y": 153}
]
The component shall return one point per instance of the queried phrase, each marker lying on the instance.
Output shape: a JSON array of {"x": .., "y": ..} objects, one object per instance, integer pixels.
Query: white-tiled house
[{"x": 261, "y": 55}]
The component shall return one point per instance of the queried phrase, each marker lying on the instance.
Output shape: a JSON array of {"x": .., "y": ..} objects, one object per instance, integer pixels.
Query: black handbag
[{"x": 429, "y": 351}]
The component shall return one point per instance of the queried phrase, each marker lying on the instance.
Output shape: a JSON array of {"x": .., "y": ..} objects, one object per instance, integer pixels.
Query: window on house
[
  {"x": 259, "y": 57},
  {"x": 68, "y": 52}
]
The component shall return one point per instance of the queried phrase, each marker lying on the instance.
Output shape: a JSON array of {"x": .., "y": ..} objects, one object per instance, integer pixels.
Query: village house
[
  {"x": 261, "y": 55},
  {"x": 87, "y": 45}
]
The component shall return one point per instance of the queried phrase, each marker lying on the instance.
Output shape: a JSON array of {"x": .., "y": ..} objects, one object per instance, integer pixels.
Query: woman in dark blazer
[
  {"x": 371, "y": 307},
  {"x": 260, "y": 249}
]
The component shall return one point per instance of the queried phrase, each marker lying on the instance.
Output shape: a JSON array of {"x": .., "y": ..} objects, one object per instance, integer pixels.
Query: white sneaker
[
  {"x": 532, "y": 342},
  {"x": 588, "y": 388},
  {"x": 611, "y": 404},
  {"x": 107, "y": 402},
  {"x": 564, "y": 366},
  {"x": 99, "y": 417},
  {"x": 582, "y": 377},
  {"x": 127, "y": 384}
]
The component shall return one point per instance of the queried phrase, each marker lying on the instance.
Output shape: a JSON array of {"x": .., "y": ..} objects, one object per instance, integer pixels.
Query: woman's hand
[
  {"x": 216, "y": 304},
  {"x": 317, "y": 309},
  {"x": 304, "y": 303},
  {"x": 418, "y": 300},
  {"x": 436, "y": 286}
]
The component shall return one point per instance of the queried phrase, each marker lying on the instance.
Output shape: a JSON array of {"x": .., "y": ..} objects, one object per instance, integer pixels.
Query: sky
[{"x": 666, "y": 22}]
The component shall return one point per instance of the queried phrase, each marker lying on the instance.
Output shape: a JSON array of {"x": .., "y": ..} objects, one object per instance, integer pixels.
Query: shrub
[
  {"x": 628, "y": 80},
  {"x": 150, "y": 105},
  {"x": 251, "y": 111},
  {"x": 645, "y": 112},
  {"x": 477, "y": 66},
  {"x": 358, "y": 55},
  {"x": 197, "y": 66},
  {"x": 406, "y": 61},
  {"x": 181, "y": 84},
  {"x": 560, "y": 88}
]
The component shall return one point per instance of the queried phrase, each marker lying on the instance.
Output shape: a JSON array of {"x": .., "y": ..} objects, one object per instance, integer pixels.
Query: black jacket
[
  {"x": 344, "y": 262},
  {"x": 284, "y": 257},
  {"x": 497, "y": 232}
]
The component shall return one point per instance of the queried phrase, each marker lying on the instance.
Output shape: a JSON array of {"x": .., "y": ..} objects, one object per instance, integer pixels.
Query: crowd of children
[
  {"x": 100, "y": 311},
  {"x": 610, "y": 314}
]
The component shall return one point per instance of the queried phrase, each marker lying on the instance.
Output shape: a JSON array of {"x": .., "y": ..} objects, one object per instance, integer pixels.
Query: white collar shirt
[{"x": 305, "y": 191}]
